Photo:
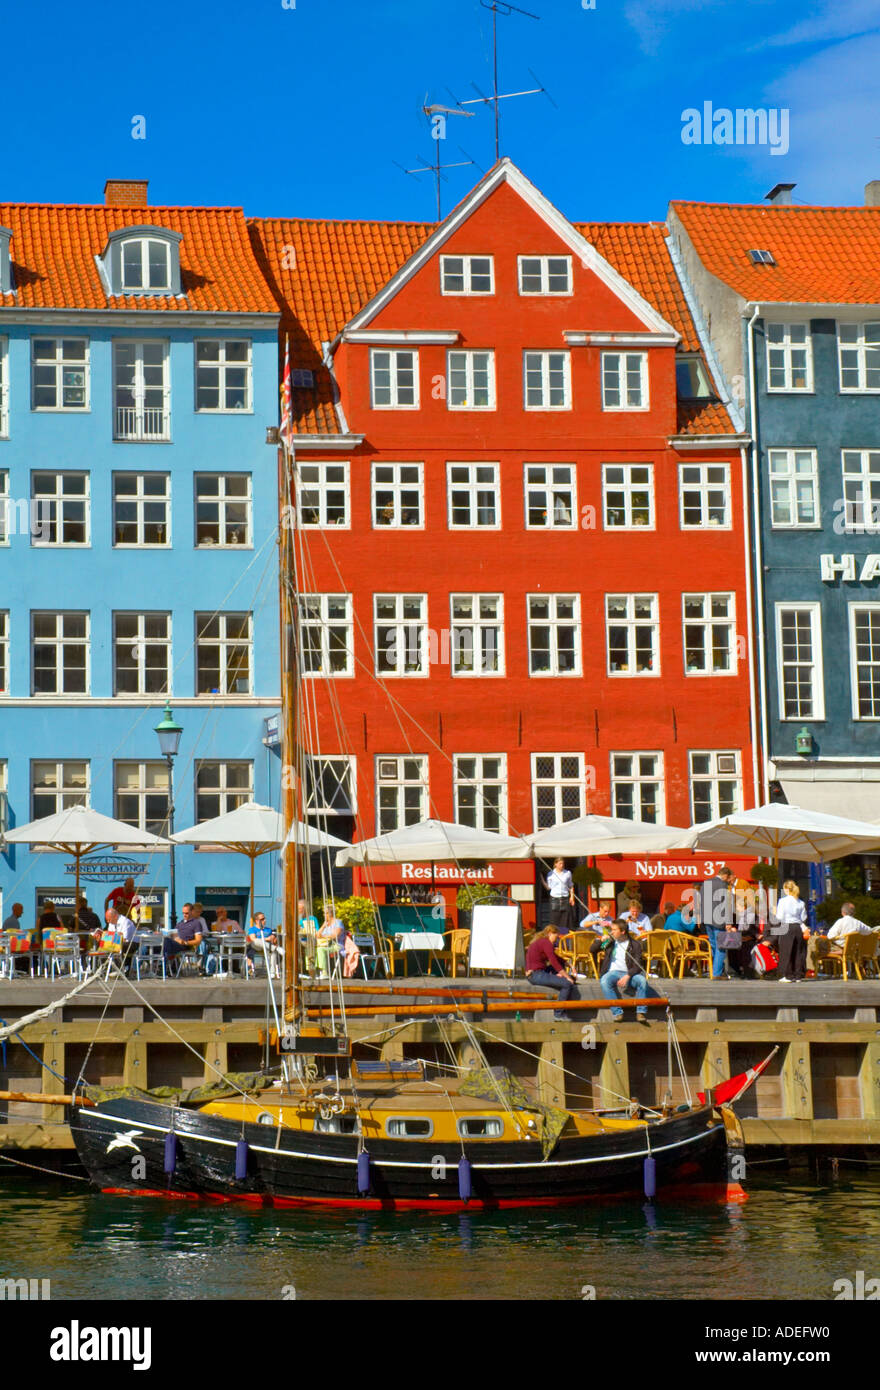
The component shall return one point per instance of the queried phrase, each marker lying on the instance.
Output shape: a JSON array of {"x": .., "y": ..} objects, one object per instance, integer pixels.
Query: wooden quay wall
[{"x": 820, "y": 1094}]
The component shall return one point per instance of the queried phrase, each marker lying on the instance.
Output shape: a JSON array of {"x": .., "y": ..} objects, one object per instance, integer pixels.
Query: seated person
[
  {"x": 819, "y": 947},
  {"x": 49, "y": 922},
  {"x": 187, "y": 935},
  {"x": 599, "y": 921},
  {"x": 122, "y": 928},
  {"x": 331, "y": 933},
  {"x": 88, "y": 920},
  {"x": 543, "y": 967},
  {"x": 621, "y": 970},
  {"x": 260, "y": 937},
  {"x": 308, "y": 935},
  {"x": 660, "y": 920},
  {"x": 681, "y": 919},
  {"x": 14, "y": 923},
  {"x": 637, "y": 922}
]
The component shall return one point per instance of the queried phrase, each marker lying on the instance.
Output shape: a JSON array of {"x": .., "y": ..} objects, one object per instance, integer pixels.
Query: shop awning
[{"x": 853, "y": 793}]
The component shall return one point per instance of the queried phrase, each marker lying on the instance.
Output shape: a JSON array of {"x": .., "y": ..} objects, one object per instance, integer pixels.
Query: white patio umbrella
[
  {"x": 255, "y": 830},
  {"x": 434, "y": 841},
  {"x": 79, "y": 831},
  {"x": 784, "y": 832},
  {"x": 590, "y": 835}
]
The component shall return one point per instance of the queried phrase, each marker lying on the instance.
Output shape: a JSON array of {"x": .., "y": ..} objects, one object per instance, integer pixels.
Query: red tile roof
[
  {"x": 54, "y": 246},
  {"x": 323, "y": 273},
  {"x": 823, "y": 255}
]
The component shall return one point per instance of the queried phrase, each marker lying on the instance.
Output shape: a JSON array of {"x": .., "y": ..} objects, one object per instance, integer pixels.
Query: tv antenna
[
  {"x": 505, "y": 10},
  {"x": 437, "y": 114}
]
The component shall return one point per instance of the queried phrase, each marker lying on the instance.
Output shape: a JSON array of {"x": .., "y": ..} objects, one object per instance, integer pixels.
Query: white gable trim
[{"x": 507, "y": 172}]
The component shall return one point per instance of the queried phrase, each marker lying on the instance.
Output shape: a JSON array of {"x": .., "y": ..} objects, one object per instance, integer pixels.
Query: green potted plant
[{"x": 767, "y": 875}]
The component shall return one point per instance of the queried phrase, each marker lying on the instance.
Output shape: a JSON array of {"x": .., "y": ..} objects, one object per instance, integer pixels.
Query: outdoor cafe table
[{"x": 421, "y": 942}]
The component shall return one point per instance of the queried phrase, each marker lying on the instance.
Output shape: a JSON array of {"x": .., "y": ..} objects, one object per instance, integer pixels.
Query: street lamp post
[{"x": 169, "y": 739}]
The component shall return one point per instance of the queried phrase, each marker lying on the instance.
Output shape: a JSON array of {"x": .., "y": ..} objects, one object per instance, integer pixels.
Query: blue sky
[{"x": 304, "y": 111}]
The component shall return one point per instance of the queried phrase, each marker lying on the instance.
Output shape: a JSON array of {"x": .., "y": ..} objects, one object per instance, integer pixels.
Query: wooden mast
[{"x": 289, "y": 717}]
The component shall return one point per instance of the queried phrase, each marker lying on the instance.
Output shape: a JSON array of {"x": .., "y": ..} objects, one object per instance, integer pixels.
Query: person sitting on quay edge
[
  {"x": 187, "y": 935},
  {"x": 636, "y": 920},
  {"x": 622, "y": 970},
  {"x": 543, "y": 967},
  {"x": 820, "y": 947}
]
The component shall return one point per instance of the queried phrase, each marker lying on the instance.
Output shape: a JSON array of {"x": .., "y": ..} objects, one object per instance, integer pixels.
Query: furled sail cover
[{"x": 487, "y": 1083}]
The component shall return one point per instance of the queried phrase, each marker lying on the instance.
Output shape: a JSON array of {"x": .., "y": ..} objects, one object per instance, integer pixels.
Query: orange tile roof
[
  {"x": 323, "y": 273},
  {"x": 54, "y": 247},
  {"x": 823, "y": 255}
]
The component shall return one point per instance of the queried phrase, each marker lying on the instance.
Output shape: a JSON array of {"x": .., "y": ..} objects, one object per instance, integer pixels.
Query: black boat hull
[{"x": 122, "y": 1145}]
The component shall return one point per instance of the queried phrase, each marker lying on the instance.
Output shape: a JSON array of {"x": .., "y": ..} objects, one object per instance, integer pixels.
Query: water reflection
[{"x": 791, "y": 1240}]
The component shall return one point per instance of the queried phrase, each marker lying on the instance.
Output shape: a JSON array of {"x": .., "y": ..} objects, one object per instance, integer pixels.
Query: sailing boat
[{"x": 340, "y": 1131}]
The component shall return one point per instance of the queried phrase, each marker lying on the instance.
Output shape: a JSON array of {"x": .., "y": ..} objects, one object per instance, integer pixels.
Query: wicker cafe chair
[
  {"x": 870, "y": 954},
  {"x": 459, "y": 948},
  {"x": 688, "y": 950},
  {"x": 851, "y": 957},
  {"x": 389, "y": 954},
  {"x": 659, "y": 952},
  {"x": 576, "y": 953}
]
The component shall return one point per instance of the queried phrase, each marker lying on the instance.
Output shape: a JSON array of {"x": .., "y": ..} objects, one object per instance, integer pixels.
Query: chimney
[
  {"x": 780, "y": 193},
  {"x": 872, "y": 194},
  {"x": 125, "y": 193}
]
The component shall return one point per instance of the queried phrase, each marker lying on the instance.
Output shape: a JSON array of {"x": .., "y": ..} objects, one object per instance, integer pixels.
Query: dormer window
[
  {"x": 142, "y": 261},
  {"x": 692, "y": 379},
  {"x": 146, "y": 264}
]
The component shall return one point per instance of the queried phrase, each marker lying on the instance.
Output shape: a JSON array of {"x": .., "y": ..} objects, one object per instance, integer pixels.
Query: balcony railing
[{"x": 141, "y": 424}]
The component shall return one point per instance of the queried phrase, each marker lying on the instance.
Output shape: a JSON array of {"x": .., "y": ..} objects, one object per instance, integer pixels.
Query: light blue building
[{"x": 138, "y": 537}]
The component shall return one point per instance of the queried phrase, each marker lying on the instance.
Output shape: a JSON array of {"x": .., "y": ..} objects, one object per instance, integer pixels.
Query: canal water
[{"x": 791, "y": 1241}]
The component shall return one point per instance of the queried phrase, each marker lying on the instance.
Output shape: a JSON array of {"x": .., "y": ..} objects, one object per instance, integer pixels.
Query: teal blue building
[{"x": 138, "y": 537}]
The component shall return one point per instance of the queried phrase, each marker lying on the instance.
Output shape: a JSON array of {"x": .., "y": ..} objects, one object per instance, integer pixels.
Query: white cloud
[{"x": 834, "y": 19}]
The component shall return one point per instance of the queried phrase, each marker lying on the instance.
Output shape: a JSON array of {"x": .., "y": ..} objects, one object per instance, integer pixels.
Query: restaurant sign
[
  {"x": 103, "y": 868},
  {"x": 500, "y": 872}
]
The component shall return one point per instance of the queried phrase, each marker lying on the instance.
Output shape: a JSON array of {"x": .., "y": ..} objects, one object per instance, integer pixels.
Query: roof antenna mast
[
  {"x": 437, "y": 114},
  {"x": 501, "y": 7}
]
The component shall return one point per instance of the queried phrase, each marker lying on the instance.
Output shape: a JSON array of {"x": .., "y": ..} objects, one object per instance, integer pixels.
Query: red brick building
[{"x": 522, "y": 541}]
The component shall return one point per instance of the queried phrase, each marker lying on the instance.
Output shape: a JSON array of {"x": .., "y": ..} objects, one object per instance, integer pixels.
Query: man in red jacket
[{"x": 543, "y": 967}]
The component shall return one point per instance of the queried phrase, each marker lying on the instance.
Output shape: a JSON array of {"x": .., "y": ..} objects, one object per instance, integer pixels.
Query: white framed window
[
  {"x": 704, "y": 495},
  {"x": 794, "y": 487},
  {"x": 477, "y": 624},
  {"x": 141, "y": 795},
  {"x": 716, "y": 785},
  {"x": 401, "y": 792},
  {"x": 326, "y": 634},
  {"x": 322, "y": 494},
  {"x": 474, "y": 495},
  {"x": 331, "y": 786},
  {"x": 398, "y": 494},
  {"x": 467, "y": 274},
  {"x": 551, "y": 496},
  {"x": 4, "y": 651},
  {"x": 223, "y": 375},
  {"x": 547, "y": 380},
  {"x": 394, "y": 378},
  {"x": 4, "y": 801},
  {"x": 633, "y": 634},
  {"x": 61, "y": 509},
  {"x": 544, "y": 275},
  {"x": 861, "y": 489},
  {"x": 799, "y": 661},
  {"x": 401, "y": 634},
  {"x": 558, "y": 788},
  {"x": 222, "y": 787},
  {"x": 142, "y": 653},
  {"x": 470, "y": 380},
  {"x": 60, "y": 653},
  {"x": 224, "y": 647},
  {"x": 624, "y": 381},
  {"x": 59, "y": 374},
  {"x": 637, "y": 787},
  {"x": 554, "y": 622},
  {"x": 628, "y": 495},
  {"x": 480, "y": 787},
  {"x": 223, "y": 510},
  {"x": 5, "y": 509},
  {"x": 858, "y": 346},
  {"x": 789, "y": 357},
  {"x": 864, "y": 646},
  {"x": 58, "y": 786},
  {"x": 4, "y": 388},
  {"x": 146, "y": 264},
  {"x": 141, "y": 509},
  {"x": 141, "y": 391},
  {"x": 709, "y": 624}
]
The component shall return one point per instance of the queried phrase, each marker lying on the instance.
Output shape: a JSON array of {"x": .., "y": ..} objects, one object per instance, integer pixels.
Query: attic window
[
  {"x": 302, "y": 378},
  {"x": 692, "y": 380},
  {"x": 5, "y": 261},
  {"x": 146, "y": 264},
  {"x": 762, "y": 257},
  {"x": 142, "y": 261}
]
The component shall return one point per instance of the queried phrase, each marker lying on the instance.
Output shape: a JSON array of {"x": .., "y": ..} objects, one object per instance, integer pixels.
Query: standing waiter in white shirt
[{"x": 560, "y": 886}]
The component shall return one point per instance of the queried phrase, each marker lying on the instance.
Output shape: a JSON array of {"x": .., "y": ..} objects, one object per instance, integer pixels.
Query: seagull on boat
[{"x": 126, "y": 1141}]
